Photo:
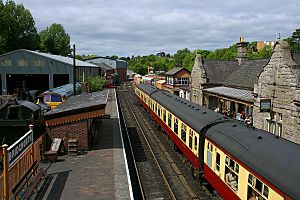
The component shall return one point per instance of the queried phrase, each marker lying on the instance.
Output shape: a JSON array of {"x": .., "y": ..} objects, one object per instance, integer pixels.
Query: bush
[{"x": 96, "y": 83}]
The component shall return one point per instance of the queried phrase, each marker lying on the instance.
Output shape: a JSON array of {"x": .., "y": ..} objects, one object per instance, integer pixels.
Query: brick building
[
  {"x": 238, "y": 86},
  {"x": 73, "y": 118}
]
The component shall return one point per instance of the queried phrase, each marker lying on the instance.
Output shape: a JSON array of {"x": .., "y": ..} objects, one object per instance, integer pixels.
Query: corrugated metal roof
[
  {"x": 64, "y": 90},
  {"x": 244, "y": 95},
  {"x": 63, "y": 59},
  {"x": 104, "y": 66}
]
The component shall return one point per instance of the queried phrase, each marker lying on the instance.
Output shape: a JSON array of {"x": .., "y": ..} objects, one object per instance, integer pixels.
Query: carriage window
[
  {"x": 158, "y": 111},
  {"x": 176, "y": 125},
  {"x": 183, "y": 132},
  {"x": 218, "y": 161},
  {"x": 257, "y": 187},
  {"x": 231, "y": 173},
  {"x": 250, "y": 179},
  {"x": 196, "y": 143},
  {"x": 209, "y": 158},
  {"x": 266, "y": 191},
  {"x": 170, "y": 120},
  {"x": 164, "y": 115},
  {"x": 191, "y": 133}
]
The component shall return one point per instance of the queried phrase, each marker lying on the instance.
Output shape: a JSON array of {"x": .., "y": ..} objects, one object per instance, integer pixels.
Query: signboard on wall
[
  {"x": 265, "y": 105},
  {"x": 19, "y": 147}
]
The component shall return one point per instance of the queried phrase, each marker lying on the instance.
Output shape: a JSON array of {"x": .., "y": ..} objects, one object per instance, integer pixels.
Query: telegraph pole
[{"x": 74, "y": 71}]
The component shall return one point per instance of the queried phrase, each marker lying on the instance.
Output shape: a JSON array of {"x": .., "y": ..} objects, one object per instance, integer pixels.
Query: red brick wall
[
  {"x": 73, "y": 130},
  {"x": 122, "y": 73}
]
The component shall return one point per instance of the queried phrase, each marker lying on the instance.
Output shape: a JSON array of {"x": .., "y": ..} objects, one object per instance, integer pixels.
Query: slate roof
[
  {"x": 218, "y": 70},
  {"x": 175, "y": 70},
  {"x": 79, "y": 104},
  {"x": 246, "y": 75},
  {"x": 245, "y": 95},
  {"x": 296, "y": 57}
]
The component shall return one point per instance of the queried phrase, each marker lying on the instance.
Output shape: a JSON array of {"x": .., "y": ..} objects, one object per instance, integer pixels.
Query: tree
[
  {"x": 294, "y": 41},
  {"x": 55, "y": 40},
  {"x": 17, "y": 28},
  {"x": 96, "y": 83}
]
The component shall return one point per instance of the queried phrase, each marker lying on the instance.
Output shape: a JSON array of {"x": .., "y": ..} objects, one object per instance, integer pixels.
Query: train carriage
[{"x": 238, "y": 161}]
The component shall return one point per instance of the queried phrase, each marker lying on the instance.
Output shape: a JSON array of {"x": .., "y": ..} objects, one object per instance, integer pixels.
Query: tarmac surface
[{"x": 100, "y": 173}]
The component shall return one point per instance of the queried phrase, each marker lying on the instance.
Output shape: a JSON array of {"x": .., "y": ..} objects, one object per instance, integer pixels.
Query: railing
[{"x": 19, "y": 168}]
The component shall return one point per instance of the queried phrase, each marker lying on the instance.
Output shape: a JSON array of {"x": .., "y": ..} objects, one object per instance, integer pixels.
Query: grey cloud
[{"x": 148, "y": 26}]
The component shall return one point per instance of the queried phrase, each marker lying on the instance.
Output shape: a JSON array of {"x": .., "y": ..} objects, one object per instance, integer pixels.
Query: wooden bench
[
  {"x": 51, "y": 155},
  {"x": 29, "y": 182}
]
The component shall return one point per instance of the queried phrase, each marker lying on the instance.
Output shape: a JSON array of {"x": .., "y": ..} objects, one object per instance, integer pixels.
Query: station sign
[
  {"x": 265, "y": 105},
  {"x": 16, "y": 150}
]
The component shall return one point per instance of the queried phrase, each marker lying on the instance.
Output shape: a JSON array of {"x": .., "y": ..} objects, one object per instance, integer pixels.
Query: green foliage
[
  {"x": 224, "y": 54},
  {"x": 264, "y": 53},
  {"x": 294, "y": 41},
  {"x": 55, "y": 40},
  {"x": 96, "y": 83},
  {"x": 17, "y": 28}
]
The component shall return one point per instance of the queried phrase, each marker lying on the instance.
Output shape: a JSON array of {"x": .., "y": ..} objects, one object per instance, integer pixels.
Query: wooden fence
[{"x": 21, "y": 166}]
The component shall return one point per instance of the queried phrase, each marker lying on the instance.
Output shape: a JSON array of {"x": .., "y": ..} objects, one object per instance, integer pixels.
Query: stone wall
[
  {"x": 278, "y": 82},
  {"x": 198, "y": 77},
  {"x": 73, "y": 130}
]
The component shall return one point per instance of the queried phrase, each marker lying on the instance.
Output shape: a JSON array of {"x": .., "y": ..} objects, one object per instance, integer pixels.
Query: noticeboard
[{"x": 265, "y": 105}]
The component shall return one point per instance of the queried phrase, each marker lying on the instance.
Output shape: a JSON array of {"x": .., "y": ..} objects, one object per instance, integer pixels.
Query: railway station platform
[{"x": 101, "y": 173}]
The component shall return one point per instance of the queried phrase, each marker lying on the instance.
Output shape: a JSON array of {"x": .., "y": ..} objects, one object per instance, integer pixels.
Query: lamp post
[{"x": 74, "y": 71}]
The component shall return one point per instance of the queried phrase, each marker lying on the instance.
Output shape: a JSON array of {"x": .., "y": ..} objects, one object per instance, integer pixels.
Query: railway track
[{"x": 158, "y": 170}]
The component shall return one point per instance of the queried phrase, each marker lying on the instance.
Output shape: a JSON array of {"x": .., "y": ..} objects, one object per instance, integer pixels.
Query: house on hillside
[{"x": 176, "y": 78}]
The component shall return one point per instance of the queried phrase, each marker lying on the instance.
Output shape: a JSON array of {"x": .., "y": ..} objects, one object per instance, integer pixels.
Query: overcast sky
[{"x": 141, "y": 27}]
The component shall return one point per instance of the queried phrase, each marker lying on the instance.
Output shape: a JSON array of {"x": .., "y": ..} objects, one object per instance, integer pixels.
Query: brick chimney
[{"x": 241, "y": 50}]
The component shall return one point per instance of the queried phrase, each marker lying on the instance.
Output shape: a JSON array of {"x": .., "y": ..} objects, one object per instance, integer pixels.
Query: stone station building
[{"x": 269, "y": 90}]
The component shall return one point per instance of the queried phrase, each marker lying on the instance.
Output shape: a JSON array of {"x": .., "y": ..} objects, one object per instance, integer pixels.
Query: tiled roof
[
  {"x": 244, "y": 95},
  {"x": 175, "y": 70},
  {"x": 218, "y": 70},
  {"x": 246, "y": 75}
]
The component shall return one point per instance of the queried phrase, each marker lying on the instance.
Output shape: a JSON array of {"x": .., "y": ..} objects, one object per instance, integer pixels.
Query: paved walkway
[{"x": 99, "y": 174}]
